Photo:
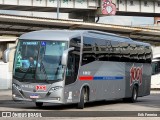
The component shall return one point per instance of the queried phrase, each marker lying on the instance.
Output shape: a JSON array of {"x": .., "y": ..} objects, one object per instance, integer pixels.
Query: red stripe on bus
[{"x": 86, "y": 78}]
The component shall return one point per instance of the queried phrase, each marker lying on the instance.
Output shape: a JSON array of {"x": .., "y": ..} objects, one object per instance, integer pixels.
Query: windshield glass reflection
[{"x": 39, "y": 60}]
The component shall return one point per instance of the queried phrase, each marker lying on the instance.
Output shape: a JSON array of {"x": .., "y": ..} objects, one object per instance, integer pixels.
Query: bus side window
[
  {"x": 115, "y": 51},
  {"x": 125, "y": 52},
  {"x": 101, "y": 49},
  {"x": 73, "y": 61},
  {"x": 89, "y": 49},
  {"x": 148, "y": 54}
]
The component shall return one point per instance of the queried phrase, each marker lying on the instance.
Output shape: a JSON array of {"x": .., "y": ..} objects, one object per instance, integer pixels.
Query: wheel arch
[{"x": 86, "y": 86}]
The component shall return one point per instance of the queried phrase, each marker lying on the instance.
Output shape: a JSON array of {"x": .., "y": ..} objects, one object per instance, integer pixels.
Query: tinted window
[
  {"x": 148, "y": 54},
  {"x": 100, "y": 53},
  {"x": 125, "y": 52},
  {"x": 73, "y": 61},
  {"x": 114, "y": 51},
  {"x": 110, "y": 50},
  {"x": 89, "y": 49},
  {"x": 141, "y": 54},
  {"x": 133, "y": 53}
]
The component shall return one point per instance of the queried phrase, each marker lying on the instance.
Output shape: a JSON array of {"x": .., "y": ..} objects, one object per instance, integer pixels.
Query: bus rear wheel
[
  {"x": 39, "y": 104},
  {"x": 134, "y": 94},
  {"x": 83, "y": 98}
]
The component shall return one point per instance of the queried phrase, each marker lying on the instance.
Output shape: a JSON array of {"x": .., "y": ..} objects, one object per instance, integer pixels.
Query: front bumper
[
  {"x": 43, "y": 97},
  {"x": 37, "y": 100}
]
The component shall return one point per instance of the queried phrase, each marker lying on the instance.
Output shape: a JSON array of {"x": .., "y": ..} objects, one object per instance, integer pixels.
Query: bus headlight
[
  {"x": 55, "y": 89},
  {"x": 17, "y": 87}
]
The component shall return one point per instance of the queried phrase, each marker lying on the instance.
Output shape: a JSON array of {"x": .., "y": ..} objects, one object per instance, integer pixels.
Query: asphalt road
[{"x": 149, "y": 103}]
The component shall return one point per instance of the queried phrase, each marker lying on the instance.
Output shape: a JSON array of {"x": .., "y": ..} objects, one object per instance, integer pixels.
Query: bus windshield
[{"x": 37, "y": 61}]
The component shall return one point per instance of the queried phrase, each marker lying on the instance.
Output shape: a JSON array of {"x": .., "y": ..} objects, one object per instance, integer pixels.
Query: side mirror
[
  {"x": 65, "y": 56},
  {"x": 6, "y": 54}
]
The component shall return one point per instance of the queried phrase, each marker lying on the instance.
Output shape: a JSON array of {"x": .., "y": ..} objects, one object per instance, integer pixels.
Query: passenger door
[{"x": 73, "y": 61}]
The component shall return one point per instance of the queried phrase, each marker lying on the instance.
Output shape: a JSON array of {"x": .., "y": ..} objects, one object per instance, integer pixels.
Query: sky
[{"x": 118, "y": 20}]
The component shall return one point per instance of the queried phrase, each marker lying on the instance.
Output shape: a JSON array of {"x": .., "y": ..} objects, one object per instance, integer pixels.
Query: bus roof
[
  {"x": 59, "y": 35},
  {"x": 66, "y": 35}
]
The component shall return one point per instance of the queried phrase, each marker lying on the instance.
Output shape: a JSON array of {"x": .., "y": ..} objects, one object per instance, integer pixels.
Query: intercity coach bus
[{"x": 79, "y": 66}]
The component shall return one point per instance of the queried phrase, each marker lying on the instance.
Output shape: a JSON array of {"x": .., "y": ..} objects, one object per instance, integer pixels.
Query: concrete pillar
[
  {"x": 11, "y": 55},
  {"x": 10, "y": 63},
  {"x": 3, "y": 46}
]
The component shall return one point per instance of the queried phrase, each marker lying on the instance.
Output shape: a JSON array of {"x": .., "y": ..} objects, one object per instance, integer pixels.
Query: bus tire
[
  {"x": 39, "y": 104},
  {"x": 81, "y": 102},
  {"x": 134, "y": 96}
]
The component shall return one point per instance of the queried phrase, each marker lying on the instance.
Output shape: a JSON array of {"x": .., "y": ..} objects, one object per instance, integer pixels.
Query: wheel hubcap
[
  {"x": 135, "y": 95},
  {"x": 85, "y": 97}
]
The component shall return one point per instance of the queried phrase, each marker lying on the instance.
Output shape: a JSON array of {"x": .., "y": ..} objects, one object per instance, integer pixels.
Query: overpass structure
[
  {"x": 87, "y": 9},
  {"x": 17, "y": 25}
]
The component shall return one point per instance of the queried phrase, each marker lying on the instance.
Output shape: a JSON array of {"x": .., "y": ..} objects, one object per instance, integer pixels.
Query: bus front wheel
[
  {"x": 39, "y": 104},
  {"x": 83, "y": 98}
]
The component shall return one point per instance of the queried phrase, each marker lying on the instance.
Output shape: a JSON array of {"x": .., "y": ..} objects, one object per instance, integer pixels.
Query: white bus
[
  {"x": 155, "y": 79},
  {"x": 79, "y": 66}
]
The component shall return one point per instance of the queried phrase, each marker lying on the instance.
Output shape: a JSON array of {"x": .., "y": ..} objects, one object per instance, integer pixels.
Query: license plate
[{"x": 34, "y": 96}]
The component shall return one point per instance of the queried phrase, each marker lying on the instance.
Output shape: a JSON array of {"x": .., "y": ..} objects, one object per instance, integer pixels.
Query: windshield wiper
[
  {"x": 26, "y": 73},
  {"x": 44, "y": 71}
]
